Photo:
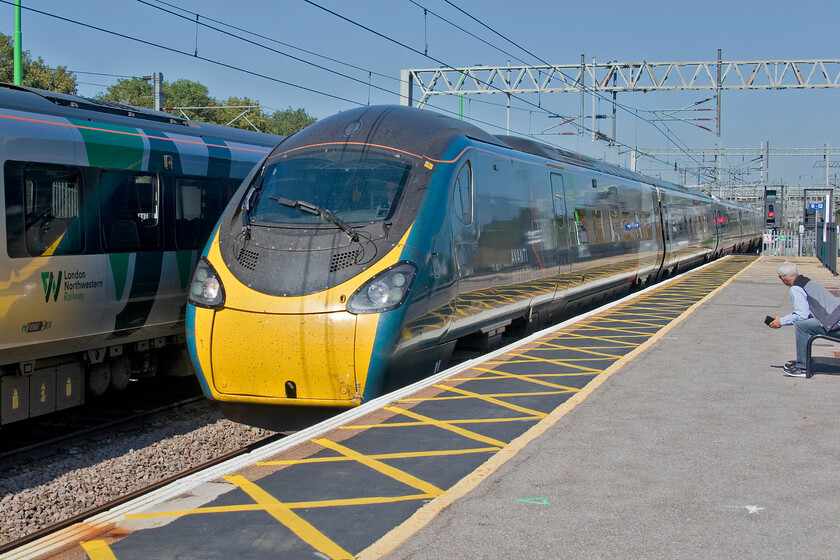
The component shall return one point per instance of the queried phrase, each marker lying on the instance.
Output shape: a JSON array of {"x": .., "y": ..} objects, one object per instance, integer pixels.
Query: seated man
[
  {"x": 825, "y": 309},
  {"x": 787, "y": 274}
]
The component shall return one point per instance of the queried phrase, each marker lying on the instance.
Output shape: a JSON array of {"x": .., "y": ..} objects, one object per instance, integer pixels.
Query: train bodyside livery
[
  {"x": 371, "y": 243},
  {"x": 105, "y": 210}
]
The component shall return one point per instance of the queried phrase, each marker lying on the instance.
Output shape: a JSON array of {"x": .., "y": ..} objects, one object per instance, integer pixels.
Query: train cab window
[
  {"x": 198, "y": 204},
  {"x": 356, "y": 185},
  {"x": 52, "y": 202},
  {"x": 462, "y": 195},
  {"x": 130, "y": 211}
]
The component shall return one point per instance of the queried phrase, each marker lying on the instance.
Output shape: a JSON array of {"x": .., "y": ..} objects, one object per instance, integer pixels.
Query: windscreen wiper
[{"x": 317, "y": 210}]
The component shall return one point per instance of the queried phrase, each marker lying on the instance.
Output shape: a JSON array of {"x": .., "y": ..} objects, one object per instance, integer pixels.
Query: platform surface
[
  {"x": 659, "y": 428},
  {"x": 698, "y": 448}
]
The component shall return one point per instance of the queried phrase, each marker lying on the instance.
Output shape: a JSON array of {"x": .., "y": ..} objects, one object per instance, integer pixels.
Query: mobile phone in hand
[{"x": 768, "y": 320}]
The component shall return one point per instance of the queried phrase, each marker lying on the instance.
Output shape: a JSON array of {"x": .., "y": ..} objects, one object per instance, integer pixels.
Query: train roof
[
  {"x": 41, "y": 101},
  {"x": 541, "y": 149}
]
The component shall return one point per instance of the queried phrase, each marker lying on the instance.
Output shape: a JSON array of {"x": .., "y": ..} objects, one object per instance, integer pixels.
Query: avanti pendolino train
[
  {"x": 105, "y": 209},
  {"x": 368, "y": 245}
]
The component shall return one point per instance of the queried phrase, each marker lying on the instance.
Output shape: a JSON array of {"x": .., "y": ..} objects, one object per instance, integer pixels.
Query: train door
[
  {"x": 660, "y": 231},
  {"x": 562, "y": 223}
]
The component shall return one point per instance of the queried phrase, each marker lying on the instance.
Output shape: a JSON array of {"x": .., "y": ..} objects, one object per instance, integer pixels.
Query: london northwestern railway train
[
  {"x": 368, "y": 245},
  {"x": 105, "y": 209}
]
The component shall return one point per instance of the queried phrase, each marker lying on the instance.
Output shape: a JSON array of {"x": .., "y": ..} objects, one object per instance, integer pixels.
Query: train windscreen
[{"x": 355, "y": 185}]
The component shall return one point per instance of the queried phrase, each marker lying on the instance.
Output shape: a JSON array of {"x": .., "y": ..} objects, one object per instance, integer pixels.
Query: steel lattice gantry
[{"x": 620, "y": 77}]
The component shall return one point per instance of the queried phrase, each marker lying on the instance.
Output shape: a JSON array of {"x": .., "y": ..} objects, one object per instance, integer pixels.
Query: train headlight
[
  {"x": 384, "y": 292},
  {"x": 206, "y": 289}
]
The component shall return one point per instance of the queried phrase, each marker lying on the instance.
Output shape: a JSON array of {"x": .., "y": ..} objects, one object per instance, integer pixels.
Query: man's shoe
[
  {"x": 789, "y": 364},
  {"x": 795, "y": 372}
]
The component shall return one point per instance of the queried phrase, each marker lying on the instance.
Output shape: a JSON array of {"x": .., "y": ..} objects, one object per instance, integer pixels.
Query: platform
[{"x": 659, "y": 427}]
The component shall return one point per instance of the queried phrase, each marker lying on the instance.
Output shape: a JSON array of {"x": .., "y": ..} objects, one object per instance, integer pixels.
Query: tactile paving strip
[{"x": 342, "y": 493}]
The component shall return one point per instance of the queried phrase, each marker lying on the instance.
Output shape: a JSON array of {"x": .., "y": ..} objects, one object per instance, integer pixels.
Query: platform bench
[{"x": 811, "y": 340}]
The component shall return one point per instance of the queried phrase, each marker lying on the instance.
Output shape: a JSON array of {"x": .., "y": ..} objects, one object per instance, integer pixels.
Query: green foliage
[
  {"x": 238, "y": 112},
  {"x": 34, "y": 73},
  {"x": 130, "y": 91},
  {"x": 289, "y": 121}
]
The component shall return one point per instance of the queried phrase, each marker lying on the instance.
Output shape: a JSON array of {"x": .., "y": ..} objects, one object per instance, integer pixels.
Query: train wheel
[
  {"x": 98, "y": 378},
  {"x": 120, "y": 373}
]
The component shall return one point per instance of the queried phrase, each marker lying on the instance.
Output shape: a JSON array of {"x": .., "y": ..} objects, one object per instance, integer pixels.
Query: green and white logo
[
  {"x": 73, "y": 284},
  {"x": 51, "y": 286}
]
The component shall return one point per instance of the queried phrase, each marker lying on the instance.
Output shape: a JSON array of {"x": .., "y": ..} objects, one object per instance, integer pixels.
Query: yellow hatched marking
[
  {"x": 630, "y": 332},
  {"x": 290, "y": 505},
  {"x": 604, "y": 338},
  {"x": 526, "y": 359},
  {"x": 406, "y": 455},
  {"x": 98, "y": 550},
  {"x": 462, "y": 421},
  {"x": 533, "y": 379},
  {"x": 636, "y": 311},
  {"x": 495, "y": 395},
  {"x": 381, "y": 467},
  {"x": 445, "y": 426},
  {"x": 639, "y": 323},
  {"x": 586, "y": 350},
  {"x": 281, "y": 512},
  {"x": 532, "y": 375},
  {"x": 493, "y": 400}
]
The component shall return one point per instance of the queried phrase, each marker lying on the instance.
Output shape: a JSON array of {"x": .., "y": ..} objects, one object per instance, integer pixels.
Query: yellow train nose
[{"x": 302, "y": 357}]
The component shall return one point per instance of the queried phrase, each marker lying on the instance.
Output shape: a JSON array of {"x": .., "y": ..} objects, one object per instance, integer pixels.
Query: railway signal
[{"x": 771, "y": 218}]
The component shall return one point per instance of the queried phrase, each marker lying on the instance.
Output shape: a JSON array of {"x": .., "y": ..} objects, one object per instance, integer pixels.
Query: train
[
  {"x": 105, "y": 211},
  {"x": 370, "y": 245}
]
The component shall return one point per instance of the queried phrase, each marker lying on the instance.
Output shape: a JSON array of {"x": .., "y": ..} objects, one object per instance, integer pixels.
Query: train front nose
[{"x": 292, "y": 358}]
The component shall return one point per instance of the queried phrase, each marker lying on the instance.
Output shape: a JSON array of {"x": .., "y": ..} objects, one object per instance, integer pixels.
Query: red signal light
[{"x": 770, "y": 214}]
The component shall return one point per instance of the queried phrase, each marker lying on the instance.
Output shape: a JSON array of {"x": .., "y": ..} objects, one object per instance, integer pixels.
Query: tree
[
  {"x": 289, "y": 121},
  {"x": 34, "y": 73},
  {"x": 238, "y": 112},
  {"x": 130, "y": 91}
]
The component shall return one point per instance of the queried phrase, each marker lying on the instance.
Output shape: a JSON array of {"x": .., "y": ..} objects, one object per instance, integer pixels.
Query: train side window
[
  {"x": 130, "y": 210},
  {"x": 580, "y": 222},
  {"x": 462, "y": 194},
  {"x": 598, "y": 219},
  {"x": 199, "y": 203},
  {"x": 627, "y": 226},
  {"x": 52, "y": 203},
  {"x": 615, "y": 226}
]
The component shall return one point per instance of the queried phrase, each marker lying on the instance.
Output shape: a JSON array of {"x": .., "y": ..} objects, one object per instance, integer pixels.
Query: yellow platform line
[
  {"x": 379, "y": 466},
  {"x": 445, "y": 426},
  {"x": 492, "y": 400},
  {"x": 424, "y": 515},
  {"x": 382, "y": 456},
  {"x": 98, "y": 550},
  {"x": 281, "y": 512}
]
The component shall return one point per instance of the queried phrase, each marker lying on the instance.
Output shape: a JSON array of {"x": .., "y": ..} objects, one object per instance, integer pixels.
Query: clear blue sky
[{"x": 557, "y": 31}]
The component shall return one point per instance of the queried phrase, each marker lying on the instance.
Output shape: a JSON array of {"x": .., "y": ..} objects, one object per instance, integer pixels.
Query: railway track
[{"x": 54, "y": 528}]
